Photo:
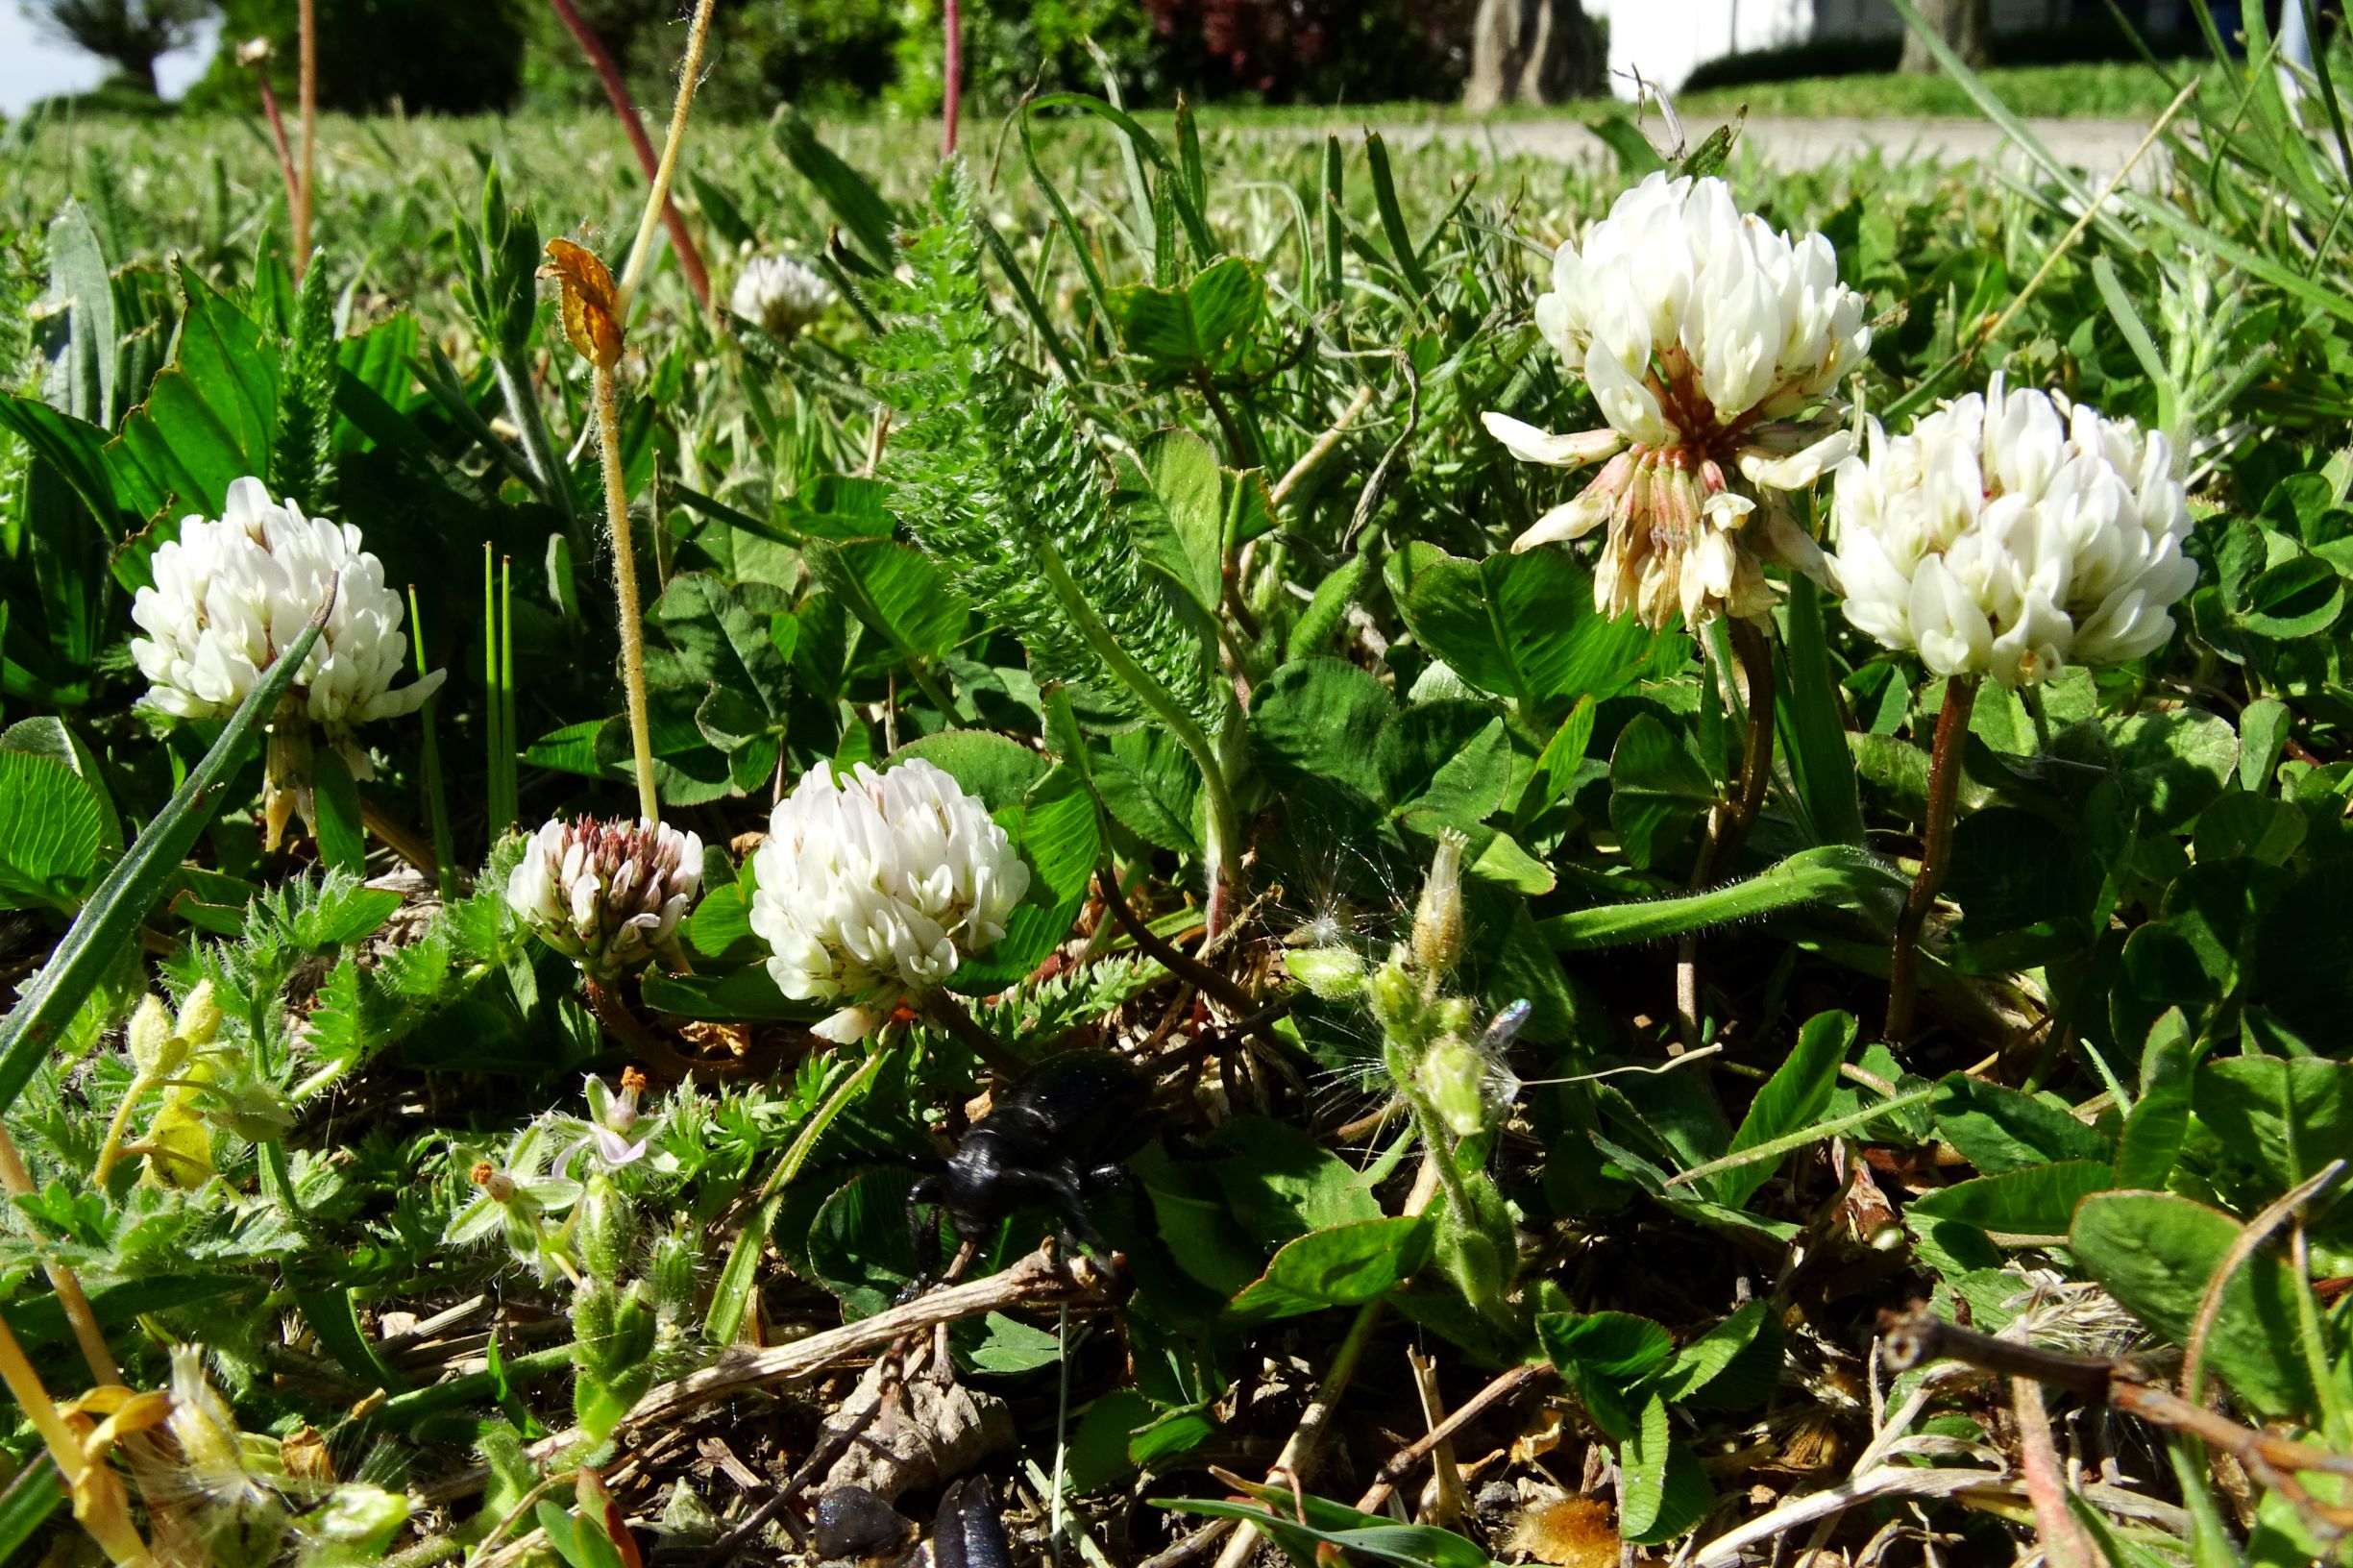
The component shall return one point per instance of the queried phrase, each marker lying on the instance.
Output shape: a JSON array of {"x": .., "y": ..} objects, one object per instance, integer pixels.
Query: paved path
[{"x": 2098, "y": 147}]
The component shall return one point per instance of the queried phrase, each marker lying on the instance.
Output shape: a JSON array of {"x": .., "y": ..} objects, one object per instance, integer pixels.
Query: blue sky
[{"x": 33, "y": 65}]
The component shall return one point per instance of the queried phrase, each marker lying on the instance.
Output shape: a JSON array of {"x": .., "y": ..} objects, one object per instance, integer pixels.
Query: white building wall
[{"x": 1667, "y": 39}]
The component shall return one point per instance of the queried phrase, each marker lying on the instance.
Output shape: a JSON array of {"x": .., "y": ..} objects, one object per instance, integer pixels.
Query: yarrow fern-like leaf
[{"x": 1002, "y": 483}]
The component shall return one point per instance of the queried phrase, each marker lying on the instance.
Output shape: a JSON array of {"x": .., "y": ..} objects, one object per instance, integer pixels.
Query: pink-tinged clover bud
[{"x": 607, "y": 895}]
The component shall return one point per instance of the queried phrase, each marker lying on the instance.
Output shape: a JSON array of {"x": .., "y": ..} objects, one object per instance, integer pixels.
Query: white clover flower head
[
  {"x": 2011, "y": 534},
  {"x": 230, "y": 593},
  {"x": 780, "y": 294},
  {"x": 609, "y": 896},
  {"x": 874, "y": 887},
  {"x": 1714, "y": 346}
]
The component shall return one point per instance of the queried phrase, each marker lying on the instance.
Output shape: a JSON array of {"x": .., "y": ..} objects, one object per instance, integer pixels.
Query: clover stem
[
  {"x": 1936, "y": 853},
  {"x": 949, "y": 1013},
  {"x": 625, "y": 589}
]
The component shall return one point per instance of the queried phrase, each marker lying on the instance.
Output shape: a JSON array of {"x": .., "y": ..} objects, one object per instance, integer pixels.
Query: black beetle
[
  {"x": 1059, "y": 1131},
  {"x": 968, "y": 1533}
]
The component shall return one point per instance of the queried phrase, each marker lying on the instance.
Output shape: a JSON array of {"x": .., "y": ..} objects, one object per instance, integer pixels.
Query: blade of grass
[
  {"x": 1813, "y": 736},
  {"x": 1994, "y": 109},
  {"x": 1393, "y": 217},
  {"x": 436, "y": 791},
  {"x": 733, "y": 1296},
  {"x": 108, "y": 925}
]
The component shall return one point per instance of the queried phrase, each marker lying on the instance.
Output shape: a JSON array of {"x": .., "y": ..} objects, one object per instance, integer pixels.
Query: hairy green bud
[
  {"x": 608, "y": 1229},
  {"x": 1452, "y": 1079},
  {"x": 1332, "y": 973}
]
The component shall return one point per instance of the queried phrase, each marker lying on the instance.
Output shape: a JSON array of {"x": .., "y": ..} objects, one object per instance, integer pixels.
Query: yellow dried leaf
[{"x": 590, "y": 303}]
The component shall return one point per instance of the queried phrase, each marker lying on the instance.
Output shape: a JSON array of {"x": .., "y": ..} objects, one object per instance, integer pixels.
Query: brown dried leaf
[{"x": 590, "y": 303}]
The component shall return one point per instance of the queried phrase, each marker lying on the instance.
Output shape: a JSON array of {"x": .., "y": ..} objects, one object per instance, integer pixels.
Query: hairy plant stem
[
  {"x": 1728, "y": 824},
  {"x": 617, "y": 93},
  {"x": 307, "y": 19},
  {"x": 17, "y": 1183},
  {"x": 1441, "y": 1152},
  {"x": 657, "y": 199},
  {"x": 624, "y": 591},
  {"x": 1935, "y": 854},
  {"x": 101, "y": 1510},
  {"x": 1222, "y": 831}
]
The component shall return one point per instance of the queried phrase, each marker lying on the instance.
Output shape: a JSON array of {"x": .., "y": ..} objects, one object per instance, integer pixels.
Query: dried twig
[
  {"x": 1509, "y": 1387},
  {"x": 1040, "y": 1277}
]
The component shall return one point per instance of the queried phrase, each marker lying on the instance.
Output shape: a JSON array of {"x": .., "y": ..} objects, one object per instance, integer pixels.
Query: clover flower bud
[
  {"x": 1714, "y": 346},
  {"x": 2012, "y": 534},
  {"x": 607, "y": 895},
  {"x": 780, "y": 294},
  {"x": 875, "y": 887},
  {"x": 1334, "y": 974},
  {"x": 229, "y": 594},
  {"x": 1438, "y": 919}
]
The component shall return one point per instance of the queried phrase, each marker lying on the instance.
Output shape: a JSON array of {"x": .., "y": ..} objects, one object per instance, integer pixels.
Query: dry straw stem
[
  {"x": 2257, "y": 1232},
  {"x": 17, "y": 1183},
  {"x": 1040, "y": 1278},
  {"x": 1914, "y": 1339}
]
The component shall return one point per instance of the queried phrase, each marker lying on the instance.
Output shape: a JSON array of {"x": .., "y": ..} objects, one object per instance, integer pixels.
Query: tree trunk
[
  {"x": 1967, "y": 25},
  {"x": 1533, "y": 52}
]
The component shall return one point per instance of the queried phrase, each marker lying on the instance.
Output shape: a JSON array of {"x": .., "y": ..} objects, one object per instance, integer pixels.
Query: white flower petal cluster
[
  {"x": 780, "y": 294},
  {"x": 607, "y": 895},
  {"x": 1714, "y": 346},
  {"x": 1687, "y": 317},
  {"x": 2011, "y": 534},
  {"x": 229, "y": 593},
  {"x": 878, "y": 886}
]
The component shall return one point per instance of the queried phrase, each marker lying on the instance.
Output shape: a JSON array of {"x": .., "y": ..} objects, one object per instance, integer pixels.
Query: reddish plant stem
[
  {"x": 306, "y": 192},
  {"x": 278, "y": 131},
  {"x": 951, "y": 75},
  {"x": 617, "y": 93},
  {"x": 1935, "y": 854}
]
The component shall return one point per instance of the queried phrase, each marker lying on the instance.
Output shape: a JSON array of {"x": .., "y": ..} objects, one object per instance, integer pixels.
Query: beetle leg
[{"x": 922, "y": 1236}]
